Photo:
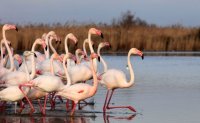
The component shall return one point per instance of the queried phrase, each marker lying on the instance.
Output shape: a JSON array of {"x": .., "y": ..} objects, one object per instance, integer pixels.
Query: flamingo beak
[
  {"x": 102, "y": 35},
  {"x": 35, "y": 55},
  {"x": 99, "y": 59},
  {"x": 46, "y": 48},
  {"x": 20, "y": 64},
  {"x": 142, "y": 56},
  {"x": 4, "y": 55},
  {"x": 16, "y": 29}
]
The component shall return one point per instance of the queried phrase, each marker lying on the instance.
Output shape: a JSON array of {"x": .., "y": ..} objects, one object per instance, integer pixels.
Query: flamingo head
[
  {"x": 93, "y": 56},
  {"x": 96, "y": 31},
  {"x": 138, "y": 52},
  {"x": 9, "y": 27},
  {"x": 18, "y": 58},
  {"x": 107, "y": 44},
  {"x": 41, "y": 42},
  {"x": 73, "y": 38},
  {"x": 44, "y": 36}
]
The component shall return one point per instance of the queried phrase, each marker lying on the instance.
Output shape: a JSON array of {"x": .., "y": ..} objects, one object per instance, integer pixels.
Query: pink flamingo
[
  {"x": 82, "y": 71},
  {"x": 12, "y": 93},
  {"x": 47, "y": 83},
  {"x": 80, "y": 91},
  {"x": 19, "y": 77},
  {"x": 114, "y": 79},
  {"x": 3, "y": 70}
]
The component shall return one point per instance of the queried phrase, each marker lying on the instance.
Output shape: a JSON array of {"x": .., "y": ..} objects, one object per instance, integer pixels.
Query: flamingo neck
[
  {"x": 84, "y": 47},
  {"x": 66, "y": 44},
  {"x": 2, "y": 53},
  {"x": 102, "y": 60},
  {"x": 33, "y": 64},
  {"x": 77, "y": 58},
  {"x": 132, "y": 77},
  {"x": 92, "y": 51},
  {"x": 95, "y": 82},
  {"x": 51, "y": 46},
  {"x": 66, "y": 73},
  {"x": 9, "y": 52},
  {"x": 47, "y": 45}
]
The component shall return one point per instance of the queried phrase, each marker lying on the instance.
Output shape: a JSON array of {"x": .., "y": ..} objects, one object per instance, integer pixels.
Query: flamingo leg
[
  {"x": 67, "y": 105},
  {"x": 104, "y": 106},
  {"x": 44, "y": 107},
  {"x": 128, "y": 107},
  {"x": 3, "y": 106},
  {"x": 22, "y": 106},
  {"x": 41, "y": 109},
  {"x": 73, "y": 109},
  {"x": 31, "y": 105}
]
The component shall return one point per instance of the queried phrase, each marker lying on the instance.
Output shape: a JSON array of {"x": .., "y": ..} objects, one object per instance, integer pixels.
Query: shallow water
[{"x": 167, "y": 90}]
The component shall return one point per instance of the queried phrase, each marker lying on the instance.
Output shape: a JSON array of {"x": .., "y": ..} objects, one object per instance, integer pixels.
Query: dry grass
[{"x": 148, "y": 38}]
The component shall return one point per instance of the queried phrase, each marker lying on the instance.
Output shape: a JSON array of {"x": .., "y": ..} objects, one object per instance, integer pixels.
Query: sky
[{"x": 159, "y": 12}]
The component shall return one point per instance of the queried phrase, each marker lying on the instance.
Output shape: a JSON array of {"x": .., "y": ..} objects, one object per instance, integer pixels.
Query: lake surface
[{"x": 166, "y": 90}]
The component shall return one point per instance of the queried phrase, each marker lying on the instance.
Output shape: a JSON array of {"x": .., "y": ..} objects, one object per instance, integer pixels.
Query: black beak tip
[
  {"x": 17, "y": 29},
  {"x": 110, "y": 46},
  {"x": 46, "y": 48},
  {"x": 4, "y": 55},
  {"x": 20, "y": 64},
  {"x": 35, "y": 55},
  {"x": 99, "y": 59},
  {"x": 76, "y": 44},
  {"x": 56, "y": 42},
  {"x": 102, "y": 35},
  {"x": 60, "y": 42},
  {"x": 142, "y": 57}
]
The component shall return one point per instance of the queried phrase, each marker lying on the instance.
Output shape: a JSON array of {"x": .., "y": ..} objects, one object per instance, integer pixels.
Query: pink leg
[
  {"x": 73, "y": 109},
  {"x": 22, "y": 106},
  {"x": 28, "y": 85},
  {"x": 108, "y": 107},
  {"x": 104, "y": 106},
  {"x": 67, "y": 105},
  {"x": 41, "y": 109},
  {"x": 45, "y": 102}
]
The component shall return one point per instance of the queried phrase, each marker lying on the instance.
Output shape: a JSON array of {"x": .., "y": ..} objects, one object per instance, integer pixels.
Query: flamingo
[
  {"x": 19, "y": 77},
  {"x": 82, "y": 71},
  {"x": 80, "y": 91},
  {"x": 114, "y": 79},
  {"x": 47, "y": 83},
  {"x": 13, "y": 93},
  {"x": 3, "y": 70},
  {"x": 81, "y": 53}
]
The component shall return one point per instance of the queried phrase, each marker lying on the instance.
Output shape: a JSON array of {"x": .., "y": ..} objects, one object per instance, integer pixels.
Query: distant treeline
[{"x": 123, "y": 33}]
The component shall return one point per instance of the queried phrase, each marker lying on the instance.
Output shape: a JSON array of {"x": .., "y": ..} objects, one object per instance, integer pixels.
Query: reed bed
[{"x": 147, "y": 38}]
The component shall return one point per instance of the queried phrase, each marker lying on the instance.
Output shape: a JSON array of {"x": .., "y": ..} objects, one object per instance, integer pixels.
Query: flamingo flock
[{"x": 36, "y": 75}]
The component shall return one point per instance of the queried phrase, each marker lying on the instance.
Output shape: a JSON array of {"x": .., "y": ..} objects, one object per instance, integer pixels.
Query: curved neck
[
  {"x": 10, "y": 56},
  {"x": 66, "y": 72},
  {"x": 95, "y": 82},
  {"x": 84, "y": 47},
  {"x": 33, "y": 64},
  {"x": 132, "y": 77},
  {"x": 1, "y": 52},
  {"x": 78, "y": 61},
  {"x": 66, "y": 44},
  {"x": 47, "y": 45},
  {"x": 4, "y": 34},
  {"x": 51, "y": 46},
  {"x": 92, "y": 51},
  {"x": 105, "y": 68}
]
